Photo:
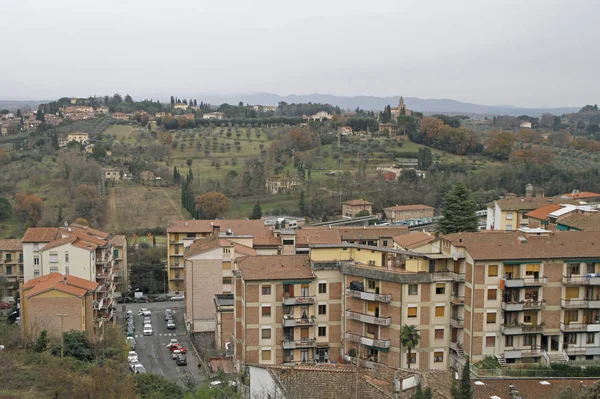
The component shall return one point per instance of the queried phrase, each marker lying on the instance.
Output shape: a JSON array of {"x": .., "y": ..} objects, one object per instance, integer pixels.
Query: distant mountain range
[{"x": 428, "y": 106}]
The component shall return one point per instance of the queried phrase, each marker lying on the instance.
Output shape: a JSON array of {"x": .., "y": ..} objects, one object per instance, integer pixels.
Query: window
[
  {"x": 53, "y": 257},
  {"x": 508, "y": 340},
  {"x": 571, "y": 339},
  {"x": 571, "y": 315},
  {"x": 266, "y": 289},
  {"x": 590, "y": 338},
  {"x": 493, "y": 271},
  {"x": 8, "y": 270},
  {"x": 36, "y": 273},
  {"x": 413, "y": 289},
  {"x": 8, "y": 257},
  {"x": 509, "y": 215},
  {"x": 490, "y": 318},
  {"x": 529, "y": 340},
  {"x": 226, "y": 280},
  {"x": 572, "y": 268},
  {"x": 265, "y": 333},
  {"x": 226, "y": 265},
  {"x": 266, "y": 311},
  {"x": 288, "y": 242},
  {"x": 66, "y": 256},
  {"x": 322, "y": 288},
  {"x": 532, "y": 270},
  {"x": 440, "y": 289},
  {"x": 508, "y": 227},
  {"x": 412, "y": 312},
  {"x": 438, "y": 357},
  {"x": 36, "y": 260},
  {"x": 265, "y": 355},
  {"x": 115, "y": 253},
  {"x": 413, "y": 358},
  {"x": 371, "y": 284},
  {"x": 322, "y": 331},
  {"x": 322, "y": 309},
  {"x": 439, "y": 333},
  {"x": 385, "y": 243},
  {"x": 67, "y": 270},
  {"x": 490, "y": 342},
  {"x": 492, "y": 294},
  {"x": 439, "y": 311},
  {"x": 53, "y": 269}
]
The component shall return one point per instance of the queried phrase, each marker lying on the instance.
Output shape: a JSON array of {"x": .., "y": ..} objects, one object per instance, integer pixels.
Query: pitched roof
[
  {"x": 362, "y": 232},
  {"x": 506, "y": 245},
  {"x": 408, "y": 207},
  {"x": 413, "y": 240},
  {"x": 242, "y": 249},
  {"x": 588, "y": 221},
  {"x": 58, "y": 242},
  {"x": 528, "y": 388},
  {"x": 119, "y": 240},
  {"x": 202, "y": 245},
  {"x": 90, "y": 231},
  {"x": 69, "y": 284},
  {"x": 11, "y": 245},
  {"x": 526, "y": 204},
  {"x": 41, "y": 234},
  {"x": 304, "y": 237},
  {"x": 582, "y": 195},
  {"x": 275, "y": 267},
  {"x": 238, "y": 226},
  {"x": 357, "y": 202},
  {"x": 542, "y": 212}
]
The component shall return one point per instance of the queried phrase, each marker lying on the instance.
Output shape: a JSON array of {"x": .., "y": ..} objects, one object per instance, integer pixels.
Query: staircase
[
  {"x": 558, "y": 357},
  {"x": 501, "y": 360},
  {"x": 461, "y": 353}
]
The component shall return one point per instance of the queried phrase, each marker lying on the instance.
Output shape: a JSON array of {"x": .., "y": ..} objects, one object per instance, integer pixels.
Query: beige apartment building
[
  {"x": 402, "y": 213},
  {"x": 352, "y": 207},
  {"x": 11, "y": 266}
]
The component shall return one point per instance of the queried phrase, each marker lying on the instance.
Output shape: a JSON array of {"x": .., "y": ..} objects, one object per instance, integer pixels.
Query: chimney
[
  {"x": 529, "y": 190},
  {"x": 215, "y": 228},
  {"x": 186, "y": 223},
  {"x": 64, "y": 280}
]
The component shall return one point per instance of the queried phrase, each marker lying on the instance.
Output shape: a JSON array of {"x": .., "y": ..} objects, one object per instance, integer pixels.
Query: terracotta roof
[
  {"x": 408, "y": 207},
  {"x": 542, "y": 213},
  {"x": 304, "y": 237},
  {"x": 506, "y": 245},
  {"x": 11, "y": 245},
  {"x": 202, "y": 245},
  {"x": 528, "y": 388},
  {"x": 90, "y": 231},
  {"x": 266, "y": 238},
  {"x": 588, "y": 221},
  {"x": 242, "y": 249},
  {"x": 413, "y": 240},
  {"x": 357, "y": 202},
  {"x": 527, "y": 204},
  {"x": 41, "y": 234},
  {"x": 119, "y": 241},
  {"x": 74, "y": 285},
  {"x": 582, "y": 195},
  {"x": 238, "y": 226},
  {"x": 275, "y": 267},
  {"x": 61, "y": 241},
  {"x": 364, "y": 233}
]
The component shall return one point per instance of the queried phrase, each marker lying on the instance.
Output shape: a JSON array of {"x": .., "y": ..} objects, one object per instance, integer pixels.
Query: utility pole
[{"x": 62, "y": 333}]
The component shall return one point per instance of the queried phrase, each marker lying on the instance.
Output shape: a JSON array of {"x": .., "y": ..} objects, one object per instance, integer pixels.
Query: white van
[{"x": 147, "y": 329}]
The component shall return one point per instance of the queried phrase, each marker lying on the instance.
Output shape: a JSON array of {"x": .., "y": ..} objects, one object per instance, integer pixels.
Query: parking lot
[{"x": 152, "y": 350}]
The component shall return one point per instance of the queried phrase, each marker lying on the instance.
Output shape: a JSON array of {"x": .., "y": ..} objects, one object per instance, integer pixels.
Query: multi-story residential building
[
  {"x": 180, "y": 106},
  {"x": 352, "y": 207},
  {"x": 57, "y": 303},
  {"x": 565, "y": 217},
  {"x": 120, "y": 265},
  {"x": 401, "y": 213},
  {"x": 11, "y": 266},
  {"x": 378, "y": 236},
  {"x": 121, "y": 116},
  {"x": 79, "y": 137},
  {"x": 78, "y": 251}
]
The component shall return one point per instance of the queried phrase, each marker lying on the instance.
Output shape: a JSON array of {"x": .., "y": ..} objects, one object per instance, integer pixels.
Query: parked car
[
  {"x": 168, "y": 315},
  {"x": 132, "y": 355},
  {"x": 1, "y": 347},
  {"x": 181, "y": 360},
  {"x": 178, "y": 297},
  {"x": 147, "y": 329},
  {"x": 171, "y": 325},
  {"x": 175, "y": 354},
  {"x": 130, "y": 332},
  {"x": 147, "y": 320},
  {"x": 142, "y": 299},
  {"x": 134, "y": 363},
  {"x": 139, "y": 369},
  {"x": 129, "y": 314},
  {"x": 172, "y": 341},
  {"x": 5, "y": 305},
  {"x": 142, "y": 311},
  {"x": 131, "y": 342},
  {"x": 161, "y": 298},
  {"x": 178, "y": 347}
]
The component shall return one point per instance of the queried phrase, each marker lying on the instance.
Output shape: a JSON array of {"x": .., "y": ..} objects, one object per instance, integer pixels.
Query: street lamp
[{"x": 129, "y": 293}]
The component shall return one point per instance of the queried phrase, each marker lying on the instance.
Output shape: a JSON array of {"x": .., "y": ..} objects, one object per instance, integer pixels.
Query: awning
[{"x": 521, "y": 262}]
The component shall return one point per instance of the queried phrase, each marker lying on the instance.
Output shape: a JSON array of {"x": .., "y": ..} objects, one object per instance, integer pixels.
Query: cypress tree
[
  {"x": 459, "y": 212},
  {"x": 256, "y": 211}
]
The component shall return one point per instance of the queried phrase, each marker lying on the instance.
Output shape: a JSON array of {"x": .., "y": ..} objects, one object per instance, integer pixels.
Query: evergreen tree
[
  {"x": 459, "y": 212},
  {"x": 409, "y": 338},
  {"x": 175, "y": 175},
  {"x": 19, "y": 113},
  {"x": 463, "y": 390},
  {"x": 302, "y": 204},
  {"x": 256, "y": 211},
  {"x": 39, "y": 116},
  {"x": 427, "y": 393},
  {"x": 195, "y": 103},
  {"x": 172, "y": 101}
]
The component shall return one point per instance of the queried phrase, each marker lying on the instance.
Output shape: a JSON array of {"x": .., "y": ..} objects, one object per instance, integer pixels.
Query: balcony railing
[
  {"x": 367, "y": 318},
  {"x": 525, "y": 282},
  {"x": 587, "y": 279},
  {"x": 445, "y": 275},
  {"x": 457, "y": 322},
  {"x": 523, "y": 305},
  {"x": 457, "y": 299},
  {"x": 512, "y": 306},
  {"x": 574, "y": 303},
  {"x": 377, "y": 343},
  {"x": 291, "y": 362},
  {"x": 534, "y": 305},
  {"x": 589, "y": 350},
  {"x": 369, "y": 296},
  {"x": 177, "y": 266},
  {"x": 176, "y": 278},
  {"x": 298, "y": 300},
  {"x": 523, "y": 328},
  {"x": 303, "y": 343},
  {"x": 289, "y": 321},
  {"x": 511, "y": 353},
  {"x": 579, "y": 327}
]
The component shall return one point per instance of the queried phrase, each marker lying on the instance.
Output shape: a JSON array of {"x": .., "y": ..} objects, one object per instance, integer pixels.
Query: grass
[
  {"x": 161, "y": 241},
  {"x": 242, "y": 207},
  {"x": 122, "y": 132}
]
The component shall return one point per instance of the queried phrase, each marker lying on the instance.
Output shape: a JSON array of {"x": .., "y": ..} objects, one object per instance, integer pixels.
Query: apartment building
[
  {"x": 379, "y": 236},
  {"x": 58, "y": 303},
  {"x": 352, "y": 207},
  {"x": 80, "y": 251},
  {"x": 11, "y": 266},
  {"x": 285, "y": 312},
  {"x": 401, "y": 213},
  {"x": 529, "y": 296},
  {"x": 79, "y": 137}
]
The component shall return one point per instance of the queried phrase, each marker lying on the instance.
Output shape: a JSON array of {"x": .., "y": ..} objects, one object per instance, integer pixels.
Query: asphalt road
[{"x": 152, "y": 350}]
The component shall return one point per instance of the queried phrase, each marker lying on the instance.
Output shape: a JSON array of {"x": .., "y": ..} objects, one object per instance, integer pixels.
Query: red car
[
  {"x": 4, "y": 305},
  {"x": 179, "y": 347}
]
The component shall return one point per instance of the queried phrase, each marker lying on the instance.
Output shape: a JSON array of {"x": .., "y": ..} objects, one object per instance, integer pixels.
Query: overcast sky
[{"x": 536, "y": 53}]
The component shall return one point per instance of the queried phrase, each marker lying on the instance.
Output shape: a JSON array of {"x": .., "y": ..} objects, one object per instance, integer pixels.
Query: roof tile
[{"x": 275, "y": 267}]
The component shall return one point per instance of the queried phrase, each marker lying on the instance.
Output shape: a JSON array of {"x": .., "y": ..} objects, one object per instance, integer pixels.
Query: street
[{"x": 152, "y": 350}]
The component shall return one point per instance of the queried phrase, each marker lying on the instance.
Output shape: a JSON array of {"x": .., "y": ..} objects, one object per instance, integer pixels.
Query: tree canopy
[
  {"x": 459, "y": 211},
  {"x": 409, "y": 337},
  {"x": 212, "y": 205}
]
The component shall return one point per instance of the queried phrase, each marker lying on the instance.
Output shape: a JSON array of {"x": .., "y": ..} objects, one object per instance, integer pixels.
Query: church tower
[{"x": 402, "y": 106}]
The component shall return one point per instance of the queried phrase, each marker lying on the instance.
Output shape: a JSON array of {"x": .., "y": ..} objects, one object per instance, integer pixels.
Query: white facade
[
  {"x": 263, "y": 385},
  {"x": 64, "y": 259}
]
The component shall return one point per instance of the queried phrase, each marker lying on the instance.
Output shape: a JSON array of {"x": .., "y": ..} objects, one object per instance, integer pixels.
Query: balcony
[
  {"x": 512, "y": 306},
  {"x": 176, "y": 278},
  {"x": 522, "y": 328},
  {"x": 366, "y": 318},
  {"x": 103, "y": 260},
  {"x": 289, "y": 321},
  {"x": 457, "y": 299},
  {"x": 521, "y": 353},
  {"x": 177, "y": 266},
  {"x": 588, "y": 279},
  {"x": 369, "y": 296},
  {"x": 534, "y": 305},
  {"x": 104, "y": 276},
  {"x": 457, "y": 322},
  {"x": 298, "y": 300},
  {"x": 590, "y": 350},
  {"x": 291, "y": 362},
  {"x": 303, "y": 343},
  {"x": 442, "y": 276},
  {"x": 376, "y": 343},
  {"x": 460, "y": 277},
  {"x": 523, "y": 305},
  {"x": 579, "y": 327},
  {"x": 574, "y": 303}
]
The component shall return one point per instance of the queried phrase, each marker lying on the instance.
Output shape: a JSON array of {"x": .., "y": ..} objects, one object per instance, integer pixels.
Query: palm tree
[{"x": 409, "y": 337}]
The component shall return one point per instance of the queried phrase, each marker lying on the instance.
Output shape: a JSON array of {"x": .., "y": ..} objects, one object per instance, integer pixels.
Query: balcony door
[
  {"x": 305, "y": 290},
  {"x": 304, "y": 334},
  {"x": 288, "y": 290}
]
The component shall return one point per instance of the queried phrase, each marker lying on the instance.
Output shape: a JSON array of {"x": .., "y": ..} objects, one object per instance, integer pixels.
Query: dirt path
[
  {"x": 176, "y": 208},
  {"x": 112, "y": 219}
]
